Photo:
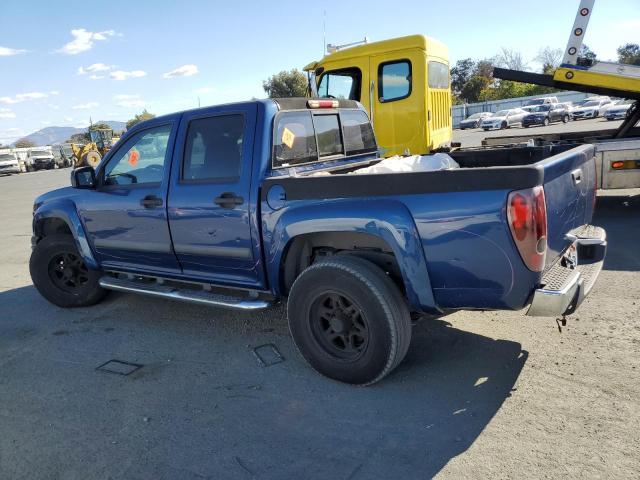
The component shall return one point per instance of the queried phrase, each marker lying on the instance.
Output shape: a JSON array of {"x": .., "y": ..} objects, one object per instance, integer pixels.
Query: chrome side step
[{"x": 201, "y": 297}]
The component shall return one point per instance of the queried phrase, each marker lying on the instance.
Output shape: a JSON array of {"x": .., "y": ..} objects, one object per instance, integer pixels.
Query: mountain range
[{"x": 54, "y": 135}]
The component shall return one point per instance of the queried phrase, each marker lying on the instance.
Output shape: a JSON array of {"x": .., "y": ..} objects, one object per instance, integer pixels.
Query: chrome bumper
[{"x": 565, "y": 287}]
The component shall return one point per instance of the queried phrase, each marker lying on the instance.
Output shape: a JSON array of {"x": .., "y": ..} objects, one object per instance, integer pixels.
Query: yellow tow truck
[{"x": 404, "y": 85}]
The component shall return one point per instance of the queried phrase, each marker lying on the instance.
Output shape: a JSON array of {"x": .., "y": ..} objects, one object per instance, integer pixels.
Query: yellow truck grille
[{"x": 440, "y": 106}]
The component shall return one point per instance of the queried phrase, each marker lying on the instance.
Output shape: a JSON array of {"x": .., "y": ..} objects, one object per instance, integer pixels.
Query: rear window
[
  {"x": 438, "y": 75},
  {"x": 305, "y": 137}
]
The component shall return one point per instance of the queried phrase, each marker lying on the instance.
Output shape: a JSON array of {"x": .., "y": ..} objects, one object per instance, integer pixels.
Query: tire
[
  {"x": 545, "y": 122},
  {"x": 353, "y": 290},
  {"x": 565, "y": 119},
  {"x": 504, "y": 125},
  {"x": 73, "y": 285},
  {"x": 526, "y": 125}
]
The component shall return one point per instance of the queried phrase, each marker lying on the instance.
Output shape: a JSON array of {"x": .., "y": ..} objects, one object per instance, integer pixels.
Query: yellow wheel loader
[{"x": 91, "y": 153}]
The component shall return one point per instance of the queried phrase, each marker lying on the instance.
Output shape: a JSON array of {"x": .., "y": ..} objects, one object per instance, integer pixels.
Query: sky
[{"x": 62, "y": 63}]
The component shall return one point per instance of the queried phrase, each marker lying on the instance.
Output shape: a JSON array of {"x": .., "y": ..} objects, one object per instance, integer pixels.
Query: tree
[
  {"x": 484, "y": 68},
  {"x": 78, "y": 138},
  {"x": 139, "y": 118},
  {"x": 472, "y": 89},
  {"x": 509, "y": 58},
  {"x": 99, "y": 126},
  {"x": 25, "y": 143},
  {"x": 286, "y": 84},
  {"x": 629, "y": 53},
  {"x": 461, "y": 73},
  {"x": 549, "y": 58},
  {"x": 586, "y": 56}
]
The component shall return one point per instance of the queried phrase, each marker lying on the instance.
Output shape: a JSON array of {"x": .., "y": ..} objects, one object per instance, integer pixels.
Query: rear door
[{"x": 208, "y": 207}]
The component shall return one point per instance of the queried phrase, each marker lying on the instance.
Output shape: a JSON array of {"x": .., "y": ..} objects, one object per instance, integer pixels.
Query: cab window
[
  {"x": 394, "y": 80},
  {"x": 141, "y": 159},
  {"x": 341, "y": 84}
]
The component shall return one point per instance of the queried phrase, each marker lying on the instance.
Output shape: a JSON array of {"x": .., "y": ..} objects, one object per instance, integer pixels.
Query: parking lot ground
[
  {"x": 473, "y": 137},
  {"x": 480, "y": 394}
]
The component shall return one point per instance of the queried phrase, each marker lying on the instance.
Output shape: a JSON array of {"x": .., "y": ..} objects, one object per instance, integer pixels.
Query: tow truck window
[
  {"x": 341, "y": 84},
  {"x": 394, "y": 80},
  {"x": 438, "y": 75}
]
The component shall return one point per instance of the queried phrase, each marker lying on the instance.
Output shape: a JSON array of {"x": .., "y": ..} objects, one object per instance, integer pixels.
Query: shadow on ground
[
  {"x": 203, "y": 407},
  {"x": 620, "y": 217}
]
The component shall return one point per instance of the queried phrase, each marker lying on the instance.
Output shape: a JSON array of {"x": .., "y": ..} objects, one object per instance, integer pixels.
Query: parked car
[
  {"x": 590, "y": 109},
  {"x": 619, "y": 110},
  {"x": 540, "y": 101},
  {"x": 473, "y": 121},
  {"x": 503, "y": 119},
  {"x": 546, "y": 114},
  {"x": 40, "y": 159},
  {"x": 9, "y": 164},
  {"x": 63, "y": 155},
  {"x": 246, "y": 204}
]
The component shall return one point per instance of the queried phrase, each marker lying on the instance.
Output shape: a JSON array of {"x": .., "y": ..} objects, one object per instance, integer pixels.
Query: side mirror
[{"x": 83, "y": 177}]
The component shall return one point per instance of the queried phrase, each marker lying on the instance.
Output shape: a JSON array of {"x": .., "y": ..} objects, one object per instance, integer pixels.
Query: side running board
[{"x": 201, "y": 297}]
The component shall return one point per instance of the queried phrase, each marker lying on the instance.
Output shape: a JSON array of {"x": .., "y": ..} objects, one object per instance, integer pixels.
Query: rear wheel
[
  {"x": 60, "y": 275},
  {"x": 349, "y": 320},
  {"x": 503, "y": 126},
  {"x": 565, "y": 119},
  {"x": 545, "y": 122}
]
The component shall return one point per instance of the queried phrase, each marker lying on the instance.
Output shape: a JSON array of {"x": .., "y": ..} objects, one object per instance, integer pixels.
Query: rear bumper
[{"x": 565, "y": 287}]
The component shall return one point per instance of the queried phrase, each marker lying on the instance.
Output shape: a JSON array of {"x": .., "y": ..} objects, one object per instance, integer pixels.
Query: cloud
[
  {"x": 68, "y": 119},
  {"x": 8, "y": 52},
  {"x": 95, "y": 67},
  {"x": 45, "y": 122},
  {"x": 53, "y": 106},
  {"x": 183, "y": 71},
  {"x": 123, "y": 75},
  {"x": 54, "y": 92},
  {"x": 22, "y": 97},
  {"x": 83, "y": 40},
  {"x": 6, "y": 113},
  {"x": 96, "y": 77},
  {"x": 85, "y": 106},
  {"x": 129, "y": 101}
]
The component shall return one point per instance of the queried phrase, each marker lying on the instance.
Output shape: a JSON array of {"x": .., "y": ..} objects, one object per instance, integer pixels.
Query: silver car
[
  {"x": 473, "y": 121},
  {"x": 9, "y": 163},
  {"x": 504, "y": 119}
]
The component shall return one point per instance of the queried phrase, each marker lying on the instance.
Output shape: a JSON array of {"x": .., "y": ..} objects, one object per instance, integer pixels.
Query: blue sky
[{"x": 62, "y": 62}]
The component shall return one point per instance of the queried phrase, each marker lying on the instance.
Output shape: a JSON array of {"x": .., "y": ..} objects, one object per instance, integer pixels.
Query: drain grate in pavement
[
  {"x": 268, "y": 355},
  {"x": 119, "y": 367}
]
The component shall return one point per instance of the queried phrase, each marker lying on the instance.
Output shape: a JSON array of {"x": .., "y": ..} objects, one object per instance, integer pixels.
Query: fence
[{"x": 460, "y": 112}]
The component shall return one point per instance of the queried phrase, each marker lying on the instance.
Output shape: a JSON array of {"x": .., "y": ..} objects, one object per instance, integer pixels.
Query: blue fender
[
  {"x": 387, "y": 219},
  {"x": 65, "y": 210}
]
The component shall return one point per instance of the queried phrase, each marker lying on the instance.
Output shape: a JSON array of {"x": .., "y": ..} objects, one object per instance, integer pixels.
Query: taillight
[
  {"x": 527, "y": 217},
  {"x": 323, "y": 103}
]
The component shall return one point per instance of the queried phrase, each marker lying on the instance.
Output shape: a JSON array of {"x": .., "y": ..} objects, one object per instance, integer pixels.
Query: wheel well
[
  {"x": 304, "y": 250},
  {"x": 51, "y": 226}
]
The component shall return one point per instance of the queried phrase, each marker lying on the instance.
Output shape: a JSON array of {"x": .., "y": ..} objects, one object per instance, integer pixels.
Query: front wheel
[
  {"x": 545, "y": 122},
  {"x": 349, "y": 320},
  {"x": 60, "y": 275},
  {"x": 565, "y": 119},
  {"x": 503, "y": 126}
]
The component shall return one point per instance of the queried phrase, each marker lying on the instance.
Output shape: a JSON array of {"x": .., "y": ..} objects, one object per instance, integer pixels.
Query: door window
[
  {"x": 141, "y": 160},
  {"x": 214, "y": 148},
  {"x": 341, "y": 84},
  {"x": 394, "y": 80}
]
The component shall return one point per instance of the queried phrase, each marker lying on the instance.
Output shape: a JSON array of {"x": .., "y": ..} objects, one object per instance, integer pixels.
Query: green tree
[
  {"x": 586, "y": 56},
  {"x": 99, "y": 126},
  {"x": 461, "y": 73},
  {"x": 78, "y": 138},
  {"x": 286, "y": 84},
  {"x": 24, "y": 143},
  {"x": 141, "y": 117},
  {"x": 472, "y": 89},
  {"x": 484, "y": 68},
  {"x": 629, "y": 53}
]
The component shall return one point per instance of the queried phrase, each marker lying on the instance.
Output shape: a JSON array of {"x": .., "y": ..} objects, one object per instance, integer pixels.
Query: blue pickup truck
[{"x": 247, "y": 204}]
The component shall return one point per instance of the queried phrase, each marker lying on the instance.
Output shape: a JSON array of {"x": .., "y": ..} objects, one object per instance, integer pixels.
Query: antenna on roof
[{"x": 324, "y": 31}]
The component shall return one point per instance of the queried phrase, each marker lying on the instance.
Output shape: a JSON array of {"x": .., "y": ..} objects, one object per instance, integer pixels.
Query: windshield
[
  {"x": 476, "y": 115},
  {"x": 591, "y": 104},
  {"x": 542, "y": 108},
  {"x": 4, "y": 157},
  {"x": 501, "y": 113},
  {"x": 537, "y": 101},
  {"x": 40, "y": 153}
]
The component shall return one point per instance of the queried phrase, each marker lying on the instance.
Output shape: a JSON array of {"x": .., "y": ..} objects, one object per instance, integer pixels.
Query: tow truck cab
[{"x": 403, "y": 83}]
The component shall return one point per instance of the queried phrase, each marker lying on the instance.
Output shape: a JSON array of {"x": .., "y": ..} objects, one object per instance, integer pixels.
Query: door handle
[
  {"x": 228, "y": 200},
  {"x": 151, "y": 201}
]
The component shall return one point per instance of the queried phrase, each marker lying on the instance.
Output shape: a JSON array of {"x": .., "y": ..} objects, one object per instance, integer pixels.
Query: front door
[
  {"x": 209, "y": 204},
  {"x": 126, "y": 216}
]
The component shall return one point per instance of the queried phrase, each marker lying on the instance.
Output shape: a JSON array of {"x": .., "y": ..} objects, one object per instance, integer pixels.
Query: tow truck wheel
[
  {"x": 60, "y": 275},
  {"x": 349, "y": 320}
]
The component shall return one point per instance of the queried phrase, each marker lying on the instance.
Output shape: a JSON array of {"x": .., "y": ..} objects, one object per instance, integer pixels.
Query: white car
[
  {"x": 591, "y": 109},
  {"x": 9, "y": 163},
  {"x": 504, "y": 119},
  {"x": 619, "y": 110}
]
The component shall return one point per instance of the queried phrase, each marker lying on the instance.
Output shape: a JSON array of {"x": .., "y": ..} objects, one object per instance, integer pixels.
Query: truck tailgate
[{"x": 569, "y": 189}]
